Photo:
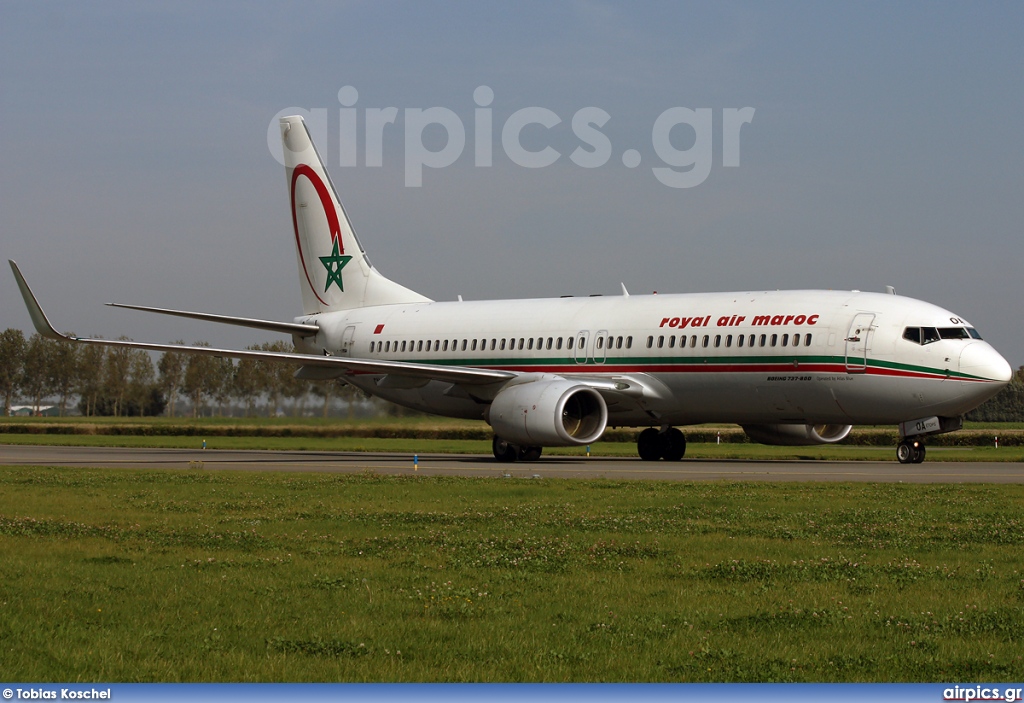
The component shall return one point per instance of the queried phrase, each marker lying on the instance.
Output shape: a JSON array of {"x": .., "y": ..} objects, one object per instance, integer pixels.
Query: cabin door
[
  {"x": 347, "y": 340},
  {"x": 858, "y": 342},
  {"x": 601, "y": 340},
  {"x": 579, "y": 350}
]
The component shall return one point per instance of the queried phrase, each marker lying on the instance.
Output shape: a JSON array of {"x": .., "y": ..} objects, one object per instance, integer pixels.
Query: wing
[
  {"x": 299, "y": 328},
  {"x": 462, "y": 375}
]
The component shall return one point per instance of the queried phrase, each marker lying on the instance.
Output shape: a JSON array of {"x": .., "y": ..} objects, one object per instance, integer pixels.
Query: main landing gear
[
  {"x": 668, "y": 444},
  {"x": 506, "y": 452},
  {"x": 910, "y": 451}
]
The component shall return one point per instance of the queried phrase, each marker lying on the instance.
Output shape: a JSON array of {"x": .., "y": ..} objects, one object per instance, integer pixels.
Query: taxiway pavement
[{"x": 546, "y": 467}]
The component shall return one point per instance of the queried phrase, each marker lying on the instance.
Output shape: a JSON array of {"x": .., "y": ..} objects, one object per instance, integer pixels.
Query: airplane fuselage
[{"x": 745, "y": 357}]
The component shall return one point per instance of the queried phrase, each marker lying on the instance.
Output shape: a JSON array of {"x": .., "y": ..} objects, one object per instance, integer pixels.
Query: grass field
[{"x": 188, "y": 575}]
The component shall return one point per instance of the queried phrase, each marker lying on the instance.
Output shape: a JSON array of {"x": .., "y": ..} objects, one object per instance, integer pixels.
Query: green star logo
[{"x": 334, "y": 264}]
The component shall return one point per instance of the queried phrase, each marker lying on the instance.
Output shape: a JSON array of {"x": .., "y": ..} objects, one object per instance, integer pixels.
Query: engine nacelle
[
  {"x": 548, "y": 413},
  {"x": 797, "y": 435}
]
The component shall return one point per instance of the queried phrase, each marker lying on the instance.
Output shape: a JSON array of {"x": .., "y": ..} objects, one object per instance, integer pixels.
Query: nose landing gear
[{"x": 910, "y": 451}]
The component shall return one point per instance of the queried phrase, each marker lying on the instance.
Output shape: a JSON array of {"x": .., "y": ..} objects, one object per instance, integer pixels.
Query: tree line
[
  {"x": 121, "y": 381},
  {"x": 1007, "y": 406}
]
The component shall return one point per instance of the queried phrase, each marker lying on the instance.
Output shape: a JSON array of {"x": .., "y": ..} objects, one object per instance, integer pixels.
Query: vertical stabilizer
[{"x": 334, "y": 272}]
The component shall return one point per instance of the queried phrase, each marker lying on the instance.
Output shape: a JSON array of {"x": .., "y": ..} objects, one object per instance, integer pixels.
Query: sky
[{"x": 884, "y": 147}]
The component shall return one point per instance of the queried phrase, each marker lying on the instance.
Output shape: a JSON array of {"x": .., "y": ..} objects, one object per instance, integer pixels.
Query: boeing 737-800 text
[{"x": 790, "y": 367}]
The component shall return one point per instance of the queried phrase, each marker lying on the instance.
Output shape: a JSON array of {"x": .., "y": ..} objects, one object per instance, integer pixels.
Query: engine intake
[
  {"x": 797, "y": 435},
  {"x": 548, "y": 413}
]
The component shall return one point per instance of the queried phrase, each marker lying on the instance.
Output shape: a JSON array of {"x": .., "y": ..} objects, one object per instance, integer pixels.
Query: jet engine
[
  {"x": 552, "y": 412},
  {"x": 797, "y": 435}
]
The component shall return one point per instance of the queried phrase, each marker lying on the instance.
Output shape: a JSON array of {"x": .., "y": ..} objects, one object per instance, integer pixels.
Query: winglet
[{"x": 43, "y": 326}]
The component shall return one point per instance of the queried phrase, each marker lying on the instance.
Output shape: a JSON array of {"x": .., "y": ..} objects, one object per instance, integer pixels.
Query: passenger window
[
  {"x": 530, "y": 344},
  {"x": 693, "y": 342},
  {"x": 650, "y": 342},
  {"x": 718, "y": 340},
  {"x": 707, "y": 340},
  {"x": 739, "y": 341},
  {"x": 521, "y": 342},
  {"x": 437, "y": 345},
  {"x": 807, "y": 339},
  {"x": 618, "y": 343},
  {"x": 463, "y": 345},
  {"x": 629, "y": 342},
  {"x": 785, "y": 340},
  {"x": 796, "y": 340},
  {"x": 600, "y": 342},
  {"x": 672, "y": 342},
  {"x": 775, "y": 339},
  {"x": 548, "y": 346},
  {"x": 502, "y": 345},
  {"x": 763, "y": 338},
  {"x": 661, "y": 341},
  {"x": 728, "y": 340},
  {"x": 445, "y": 345},
  {"x": 558, "y": 343},
  {"x": 474, "y": 345}
]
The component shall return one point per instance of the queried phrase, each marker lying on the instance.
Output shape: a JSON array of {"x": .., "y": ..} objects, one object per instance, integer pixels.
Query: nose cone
[{"x": 985, "y": 371}]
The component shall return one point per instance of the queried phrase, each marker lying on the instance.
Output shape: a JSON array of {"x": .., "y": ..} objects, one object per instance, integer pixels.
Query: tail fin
[{"x": 334, "y": 272}]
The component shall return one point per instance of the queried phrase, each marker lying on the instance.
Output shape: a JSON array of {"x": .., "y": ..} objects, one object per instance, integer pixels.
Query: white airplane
[{"x": 790, "y": 367}]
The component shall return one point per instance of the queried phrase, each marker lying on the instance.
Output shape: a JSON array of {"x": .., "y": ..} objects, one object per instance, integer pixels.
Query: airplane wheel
[
  {"x": 905, "y": 452},
  {"x": 649, "y": 444},
  {"x": 530, "y": 453},
  {"x": 503, "y": 451},
  {"x": 674, "y": 444},
  {"x": 919, "y": 454}
]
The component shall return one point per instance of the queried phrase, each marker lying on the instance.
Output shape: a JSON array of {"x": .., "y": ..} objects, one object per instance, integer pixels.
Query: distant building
[{"x": 28, "y": 411}]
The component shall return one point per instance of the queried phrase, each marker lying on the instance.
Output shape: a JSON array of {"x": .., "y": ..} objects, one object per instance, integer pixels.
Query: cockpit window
[
  {"x": 927, "y": 335},
  {"x": 953, "y": 333},
  {"x": 912, "y": 334}
]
